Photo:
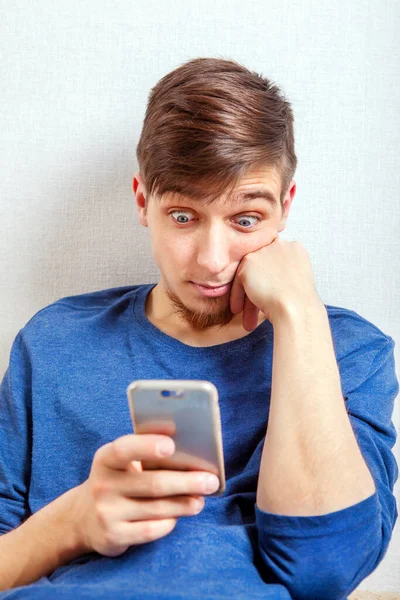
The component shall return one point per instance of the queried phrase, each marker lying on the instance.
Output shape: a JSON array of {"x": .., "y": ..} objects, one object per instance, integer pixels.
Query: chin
[{"x": 202, "y": 313}]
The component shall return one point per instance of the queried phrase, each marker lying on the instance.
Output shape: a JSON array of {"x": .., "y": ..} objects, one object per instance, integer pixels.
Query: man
[{"x": 306, "y": 391}]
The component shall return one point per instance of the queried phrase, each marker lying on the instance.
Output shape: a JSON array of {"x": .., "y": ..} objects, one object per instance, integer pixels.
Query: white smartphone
[{"x": 188, "y": 412}]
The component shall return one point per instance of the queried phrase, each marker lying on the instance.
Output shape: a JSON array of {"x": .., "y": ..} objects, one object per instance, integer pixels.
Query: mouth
[{"x": 212, "y": 291}]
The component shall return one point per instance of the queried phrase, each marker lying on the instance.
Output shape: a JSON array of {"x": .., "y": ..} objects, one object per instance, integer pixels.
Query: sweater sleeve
[
  {"x": 327, "y": 556},
  {"x": 15, "y": 438}
]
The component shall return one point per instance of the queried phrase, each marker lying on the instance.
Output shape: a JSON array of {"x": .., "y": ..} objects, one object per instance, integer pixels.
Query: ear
[
  {"x": 287, "y": 204},
  {"x": 140, "y": 193}
]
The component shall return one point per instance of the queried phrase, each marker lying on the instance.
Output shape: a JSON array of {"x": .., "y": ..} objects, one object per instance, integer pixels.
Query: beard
[{"x": 200, "y": 320}]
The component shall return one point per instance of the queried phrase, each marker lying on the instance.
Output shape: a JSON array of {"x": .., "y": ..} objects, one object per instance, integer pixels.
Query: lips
[
  {"x": 213, "y": 287},
  {"x": 212, "y": 291}
]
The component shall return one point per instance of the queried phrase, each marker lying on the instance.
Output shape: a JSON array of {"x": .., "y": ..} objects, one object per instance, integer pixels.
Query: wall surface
[{"x": 74, "y": 80}]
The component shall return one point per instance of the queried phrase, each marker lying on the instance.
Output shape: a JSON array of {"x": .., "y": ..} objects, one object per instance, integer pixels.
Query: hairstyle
[{"x": 209, "y": 122}]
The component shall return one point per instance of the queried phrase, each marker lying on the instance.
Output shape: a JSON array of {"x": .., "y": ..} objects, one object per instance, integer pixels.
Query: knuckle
[
  {"x": 154, "y": 487},
  {"x": 103, "y": 516},
  {"x": 299, "y": 247},
  {"x": 98, "y": 455},
  {"x": 111, "y": 538},
  {"x": 100, "y": 488},
  {"x": 119, "y": 450},
  {"x": 149, "y": 530},
  {"x": 160, "y": 509}
]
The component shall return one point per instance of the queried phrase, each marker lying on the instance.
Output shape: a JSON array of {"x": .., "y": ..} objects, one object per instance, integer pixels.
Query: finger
[
  {"x": 120, "y": 453},
  {"x": 237, "y": 297},
  {"x": 250, "y": 315},
  {"x": 141, "y": 509},
  {"x": 142, "y": 532},
  {"x": 157, "y": 484}
]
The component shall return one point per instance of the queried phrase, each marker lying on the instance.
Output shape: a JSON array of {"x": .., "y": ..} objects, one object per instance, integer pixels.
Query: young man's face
[{"x": 197, "y": 244}]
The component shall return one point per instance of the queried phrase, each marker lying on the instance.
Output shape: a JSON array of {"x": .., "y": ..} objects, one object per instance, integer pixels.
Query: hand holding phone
[{"x": 121, "y": 505}]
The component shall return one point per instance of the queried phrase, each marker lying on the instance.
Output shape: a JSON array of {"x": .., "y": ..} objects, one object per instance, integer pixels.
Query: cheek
[{"x": 170, "y": 251}]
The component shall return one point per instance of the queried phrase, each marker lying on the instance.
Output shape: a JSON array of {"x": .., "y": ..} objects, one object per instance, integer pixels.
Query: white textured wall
[{"x": 74, "y": 80}]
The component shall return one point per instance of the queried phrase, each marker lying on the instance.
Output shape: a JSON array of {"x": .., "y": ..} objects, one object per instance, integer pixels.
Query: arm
[
  {"x": 41, "y": 544},
  {"x": 327, "y": 555},
  {"x": 311, "y": 462},
  {"x": 31, "y": 545},
  {"x": 327, "y": 471}
]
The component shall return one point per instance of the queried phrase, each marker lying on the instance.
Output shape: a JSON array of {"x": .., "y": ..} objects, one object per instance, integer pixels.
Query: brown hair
[{"x": 207, "y": 123}]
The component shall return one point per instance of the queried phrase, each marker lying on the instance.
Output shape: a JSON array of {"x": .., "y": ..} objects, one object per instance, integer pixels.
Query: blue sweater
[{"x": 64, "y": 395}]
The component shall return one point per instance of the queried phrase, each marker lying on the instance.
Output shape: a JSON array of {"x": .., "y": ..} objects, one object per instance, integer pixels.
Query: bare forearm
[
  {"x": 311, "y": 462},
  {"x": 41, "y": 544}
]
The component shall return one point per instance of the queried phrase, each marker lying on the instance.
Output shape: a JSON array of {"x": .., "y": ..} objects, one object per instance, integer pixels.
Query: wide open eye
[
  {"x": 246, "y": 218},
  {"x": 181, "y": 213}
]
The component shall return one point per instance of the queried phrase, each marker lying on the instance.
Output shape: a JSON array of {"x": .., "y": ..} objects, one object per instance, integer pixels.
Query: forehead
[{"x": 258, "y": 185}]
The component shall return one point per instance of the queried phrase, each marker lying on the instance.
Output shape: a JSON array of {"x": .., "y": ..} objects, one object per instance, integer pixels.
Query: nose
[{"x": 213, "y": 250}]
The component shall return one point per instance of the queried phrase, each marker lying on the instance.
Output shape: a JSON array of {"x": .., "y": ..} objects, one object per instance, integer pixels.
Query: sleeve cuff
[{"x": 318, "y": 525}]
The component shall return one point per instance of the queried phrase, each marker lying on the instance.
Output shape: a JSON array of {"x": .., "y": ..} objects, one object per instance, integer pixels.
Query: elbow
[
  {"x": 309, "y": 580},
  {"x": 323, "y": 567}
]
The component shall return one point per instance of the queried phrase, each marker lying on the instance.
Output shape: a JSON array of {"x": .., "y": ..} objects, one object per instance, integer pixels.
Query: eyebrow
[{"x": 255, "y": 195}]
